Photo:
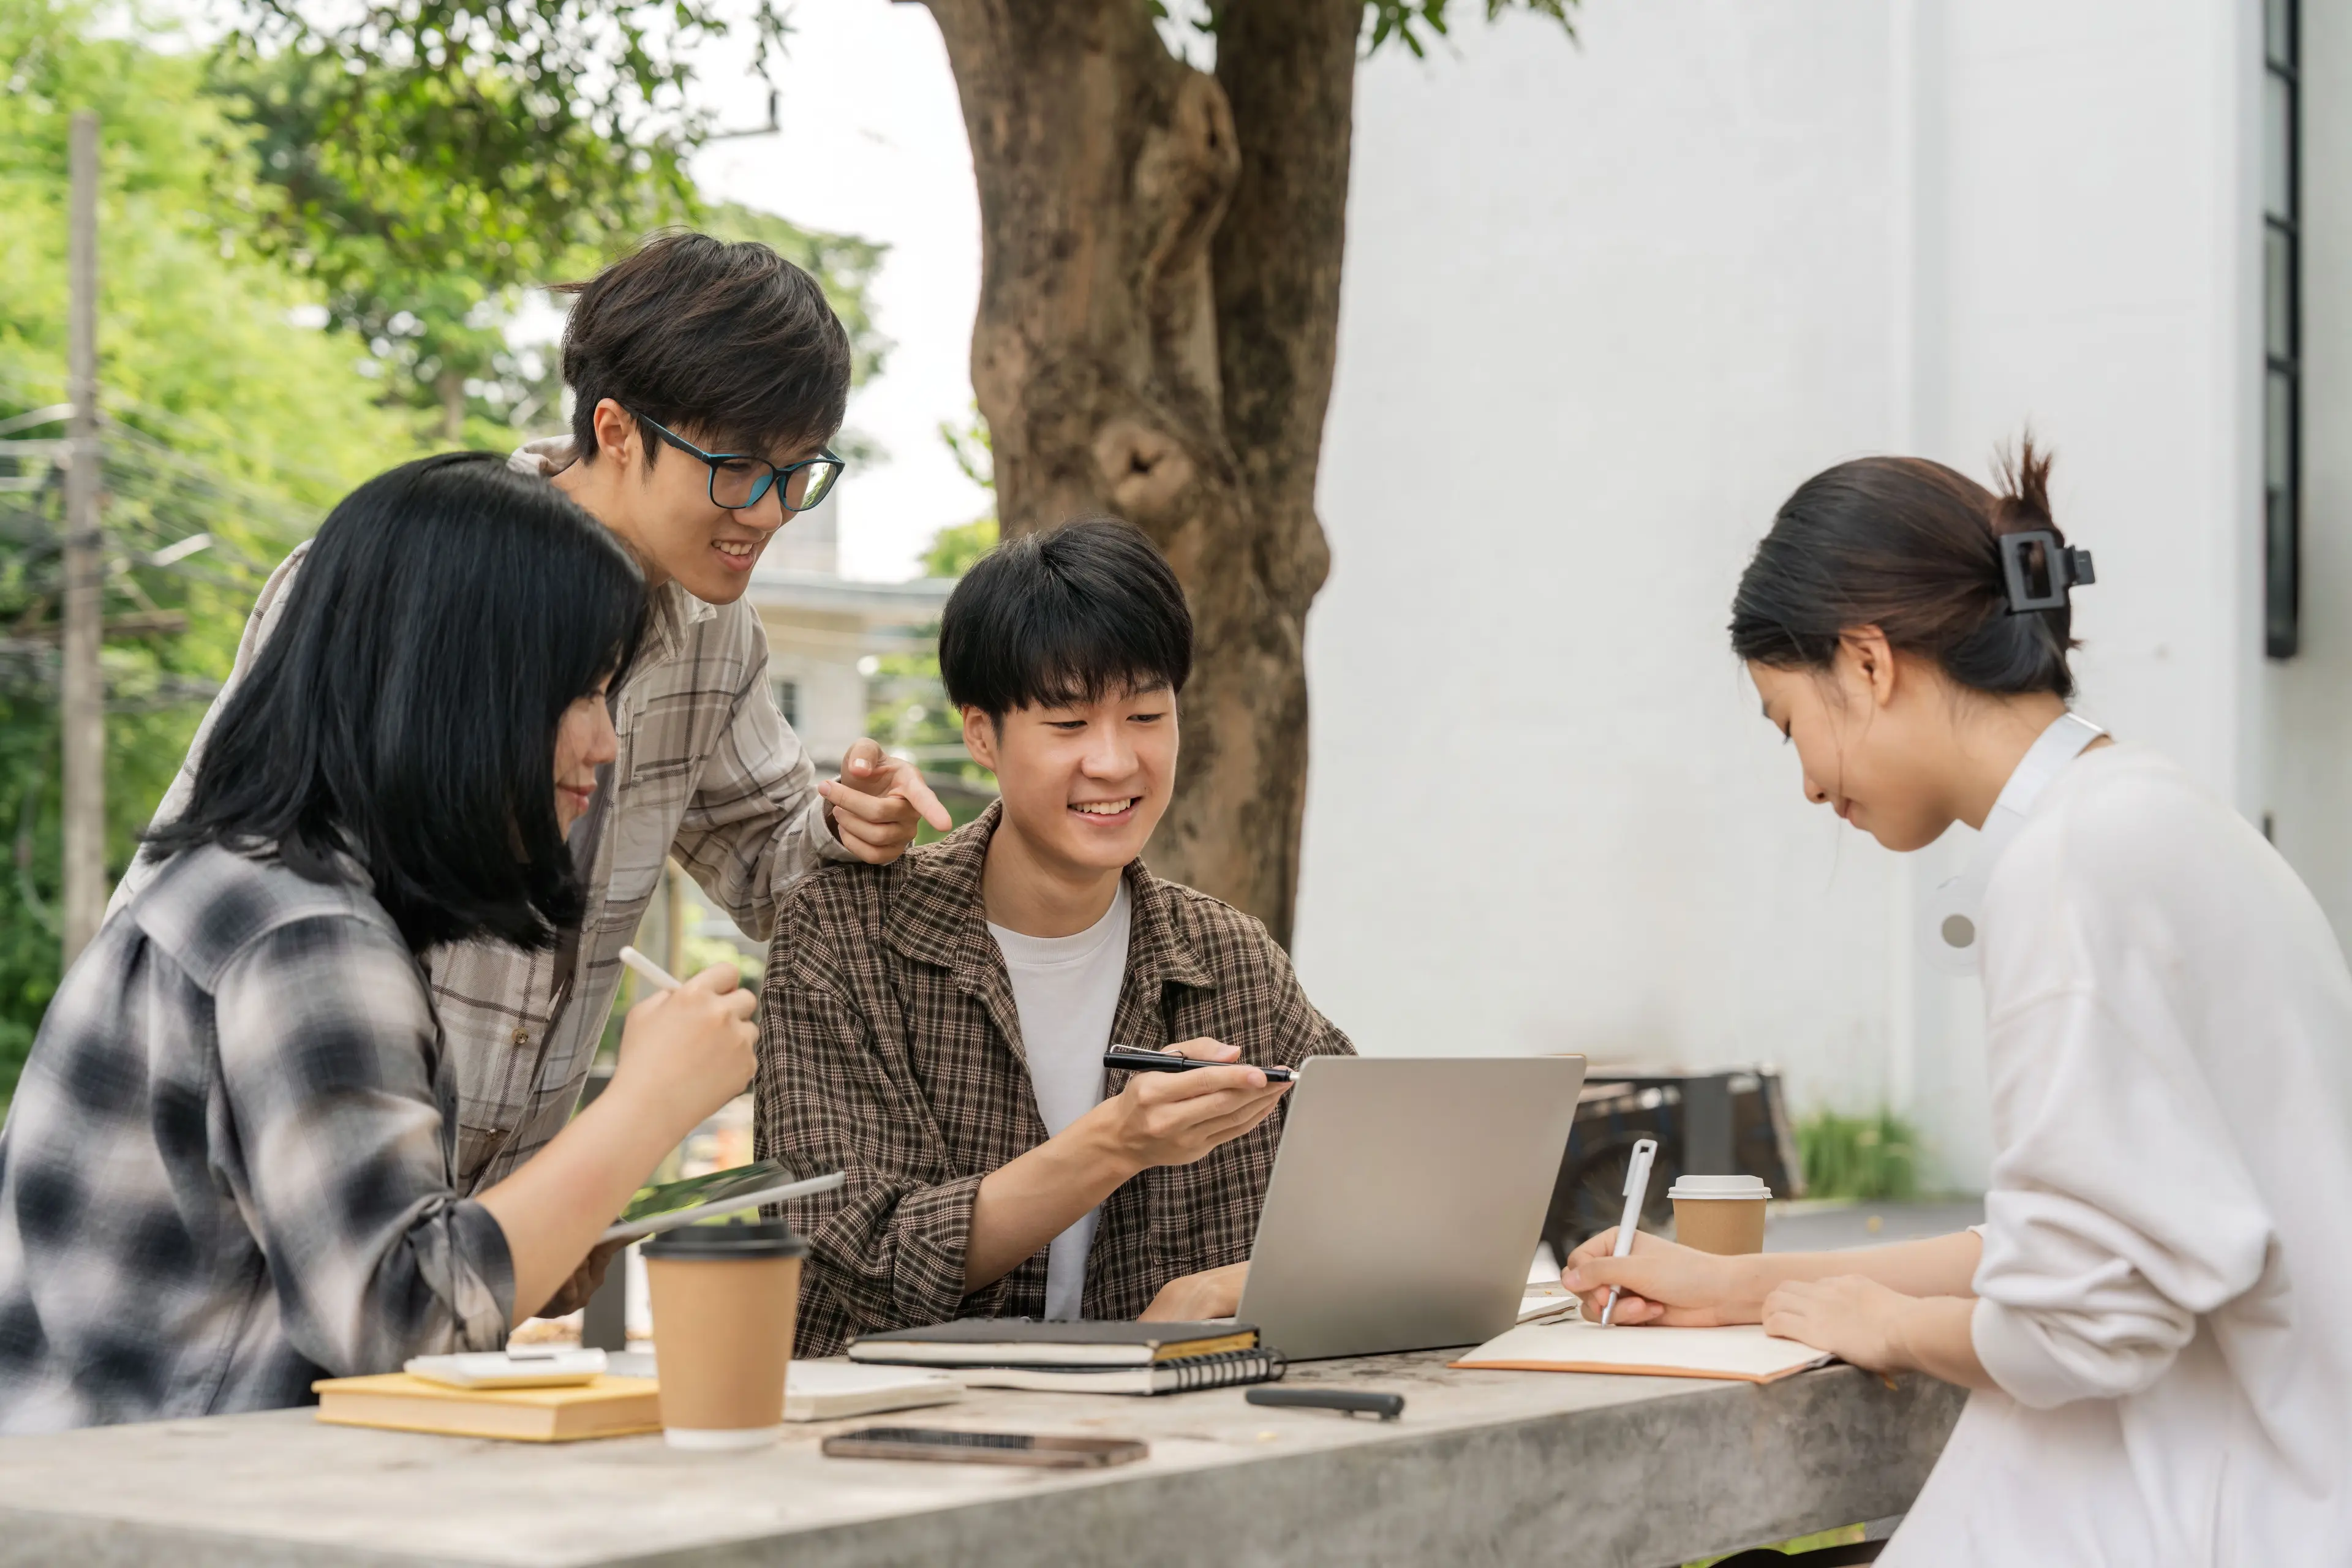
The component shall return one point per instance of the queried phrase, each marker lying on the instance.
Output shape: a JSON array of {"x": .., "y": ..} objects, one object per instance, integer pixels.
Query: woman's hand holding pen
[
  {"x": 1680, "y": 1287},
  {"x": 1175, "y": 1118},
  {"x": 684, "y": 1053}
]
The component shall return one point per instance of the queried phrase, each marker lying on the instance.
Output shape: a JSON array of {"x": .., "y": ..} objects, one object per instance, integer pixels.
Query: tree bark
[{"x": 1159, "y": 305}]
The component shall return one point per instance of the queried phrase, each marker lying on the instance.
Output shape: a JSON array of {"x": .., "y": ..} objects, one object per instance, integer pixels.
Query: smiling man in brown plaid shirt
[{"x": 935, "y": 1028}]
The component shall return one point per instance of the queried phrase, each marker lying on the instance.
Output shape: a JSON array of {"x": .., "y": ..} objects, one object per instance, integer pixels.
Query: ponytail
[{"x": 1917, "y": 549}]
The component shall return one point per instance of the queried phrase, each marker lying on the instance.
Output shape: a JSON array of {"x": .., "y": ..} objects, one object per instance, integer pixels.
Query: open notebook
[{"x": 1744, "y": 1353}]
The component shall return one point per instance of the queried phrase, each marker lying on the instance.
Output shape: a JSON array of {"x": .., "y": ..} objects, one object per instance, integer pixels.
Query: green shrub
[{"x": 1870, "y": 1158}]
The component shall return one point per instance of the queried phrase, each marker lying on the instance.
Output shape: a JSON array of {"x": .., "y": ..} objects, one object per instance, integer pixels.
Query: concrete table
[{"x": 1486, "y": 1468}]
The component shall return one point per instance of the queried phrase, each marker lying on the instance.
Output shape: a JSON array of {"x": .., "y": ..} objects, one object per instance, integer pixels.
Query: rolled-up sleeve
[
  {"x": 1299, "y": 1030},
  {"x": 889, "y": 1245},
  {"x": 2098, "y": 1260},
  {"x": 340, "y": 1154}
]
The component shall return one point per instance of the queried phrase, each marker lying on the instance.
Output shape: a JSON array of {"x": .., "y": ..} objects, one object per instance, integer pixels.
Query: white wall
[{"x": 1619, "y": 299}]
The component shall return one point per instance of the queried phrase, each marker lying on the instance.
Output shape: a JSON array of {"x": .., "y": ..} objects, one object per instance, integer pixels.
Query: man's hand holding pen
[{"x": 1175, "y": 1118}]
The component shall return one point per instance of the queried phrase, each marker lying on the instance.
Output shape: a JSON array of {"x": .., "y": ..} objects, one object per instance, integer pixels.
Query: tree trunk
[{"x": 1159, "y": 305}]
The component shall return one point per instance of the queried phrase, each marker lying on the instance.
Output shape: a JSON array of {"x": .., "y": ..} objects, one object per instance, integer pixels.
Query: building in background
[
  {"x": 1606, "y": 303},
  {"x": 825, "y": 631}
]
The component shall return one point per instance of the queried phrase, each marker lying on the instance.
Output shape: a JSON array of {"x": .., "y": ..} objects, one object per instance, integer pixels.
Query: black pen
[
  {"x": 1347, "y": 1401},
  {"x": 1132, "y": 1058}
]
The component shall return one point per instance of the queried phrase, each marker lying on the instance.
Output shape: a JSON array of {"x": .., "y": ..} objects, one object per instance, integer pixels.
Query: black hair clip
[{"x": 2067, "y": 568}]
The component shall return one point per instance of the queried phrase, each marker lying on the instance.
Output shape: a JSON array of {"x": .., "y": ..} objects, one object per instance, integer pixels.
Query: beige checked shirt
[
  {"x": 891, "y": 1048},
  {"x": 708, "y": 771}
]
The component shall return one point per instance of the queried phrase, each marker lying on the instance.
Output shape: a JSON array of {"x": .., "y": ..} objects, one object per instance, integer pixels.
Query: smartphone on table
[{"x": 985, "y": 1447}]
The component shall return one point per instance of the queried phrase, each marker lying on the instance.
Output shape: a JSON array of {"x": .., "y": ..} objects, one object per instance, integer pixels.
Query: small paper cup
[
  {"x": 1722, "y": 1215},
  {"x": 724, "y": 1299}
]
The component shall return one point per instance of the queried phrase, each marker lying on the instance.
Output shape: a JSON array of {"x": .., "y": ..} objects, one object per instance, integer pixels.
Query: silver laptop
[{"x": 1407, "y": 1201}]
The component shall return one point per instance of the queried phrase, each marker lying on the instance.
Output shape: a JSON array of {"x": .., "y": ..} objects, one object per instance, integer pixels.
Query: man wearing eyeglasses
[{"x": 708, "y": 379}]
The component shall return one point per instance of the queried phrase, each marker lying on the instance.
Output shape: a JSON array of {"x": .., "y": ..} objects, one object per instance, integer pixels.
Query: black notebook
[
  {"x": 1027, "y": 1342},
  {"x": 1223, "y": 1369}
]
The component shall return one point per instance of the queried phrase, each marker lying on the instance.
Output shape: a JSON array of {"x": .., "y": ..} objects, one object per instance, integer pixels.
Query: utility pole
[{"x": 83, "y": 695}]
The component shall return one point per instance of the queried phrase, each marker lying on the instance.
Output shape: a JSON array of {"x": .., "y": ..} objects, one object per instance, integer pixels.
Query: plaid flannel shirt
[
  {"x": 227, "y": 1170},
  {"x": 891, "y": 1048},
  {"x": 708, "y": 771}
]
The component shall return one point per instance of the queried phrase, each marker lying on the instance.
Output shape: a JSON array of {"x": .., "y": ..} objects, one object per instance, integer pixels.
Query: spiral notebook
[{"x": 1182, "y": 1374}]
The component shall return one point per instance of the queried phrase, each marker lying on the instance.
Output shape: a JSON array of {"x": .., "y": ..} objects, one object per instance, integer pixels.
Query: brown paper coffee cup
[
  {"x": 724, "y": 1298},
  {"x": 1723, "y": 1215}
]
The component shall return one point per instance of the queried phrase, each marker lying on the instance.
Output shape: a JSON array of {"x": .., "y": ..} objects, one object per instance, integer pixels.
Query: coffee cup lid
[
  {"x": 1718, "y": 1188},
  {"x": 772, "y": 1238}
]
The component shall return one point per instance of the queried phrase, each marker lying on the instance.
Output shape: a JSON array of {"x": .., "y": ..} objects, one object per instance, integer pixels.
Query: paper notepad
[
  {"x": 833, "y": 1390},
  {"x": 1744, "y": 1353}
]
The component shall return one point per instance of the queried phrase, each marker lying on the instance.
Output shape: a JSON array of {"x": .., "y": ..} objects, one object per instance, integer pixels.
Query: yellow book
[{"x": 607, "y": 1407}]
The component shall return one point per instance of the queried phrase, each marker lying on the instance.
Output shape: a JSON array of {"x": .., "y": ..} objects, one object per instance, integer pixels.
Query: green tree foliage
[
  {"x": 247, "y": 195},
  {"x": 357, "y": 181},
  {"x": 427, "y": 160},
  {"x": 224, "y": 420},
  {"x": 1406, "y": 22}
]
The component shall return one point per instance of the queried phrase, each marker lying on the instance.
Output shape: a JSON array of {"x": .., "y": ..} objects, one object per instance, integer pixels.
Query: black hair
[
  {"x": 1065, "y": 617},
  {"x": 727, "y": 342},
  {"x": 403, "y": 713},
  {"x": 1911, "y": 547}
]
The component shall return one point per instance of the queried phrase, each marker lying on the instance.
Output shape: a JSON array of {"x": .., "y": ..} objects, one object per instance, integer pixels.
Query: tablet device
[{"x": 673, "y": 1204}]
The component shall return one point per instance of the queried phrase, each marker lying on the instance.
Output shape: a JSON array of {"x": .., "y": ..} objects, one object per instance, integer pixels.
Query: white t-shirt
[
  {"x": 1066, "y": 989},
  {"x": 2167, "y": 1239}
]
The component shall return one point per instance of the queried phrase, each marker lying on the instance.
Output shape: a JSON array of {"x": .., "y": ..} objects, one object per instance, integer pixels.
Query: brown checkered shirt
[{"x": 891, "y": 1048}]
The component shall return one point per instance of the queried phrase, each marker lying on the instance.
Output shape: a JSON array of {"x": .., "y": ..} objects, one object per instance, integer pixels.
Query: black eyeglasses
[{"x": 740, "y": 480}]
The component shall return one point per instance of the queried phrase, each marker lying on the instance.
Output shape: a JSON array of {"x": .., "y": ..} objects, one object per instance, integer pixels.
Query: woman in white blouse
[{"x": 2157, "y": 1315}]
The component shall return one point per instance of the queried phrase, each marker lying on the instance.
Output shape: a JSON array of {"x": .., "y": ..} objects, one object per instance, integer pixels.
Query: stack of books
[{"x": 1084, "y": 1357}]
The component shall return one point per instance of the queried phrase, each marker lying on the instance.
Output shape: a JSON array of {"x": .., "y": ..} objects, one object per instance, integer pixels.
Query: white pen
[
  {"x": 1637, "y": 1187},
  {"x": 655, "y": 973}
]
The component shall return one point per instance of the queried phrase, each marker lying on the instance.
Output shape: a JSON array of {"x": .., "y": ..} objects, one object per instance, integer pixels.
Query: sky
[{"x": 872, "y": 144}]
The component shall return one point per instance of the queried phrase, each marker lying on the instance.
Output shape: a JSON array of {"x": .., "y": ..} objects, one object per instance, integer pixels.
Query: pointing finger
[{"x": 918, "y": 795}]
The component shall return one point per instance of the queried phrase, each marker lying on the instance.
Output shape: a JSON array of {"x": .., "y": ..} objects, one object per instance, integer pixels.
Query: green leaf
[{"x": 1396, "y": 21}]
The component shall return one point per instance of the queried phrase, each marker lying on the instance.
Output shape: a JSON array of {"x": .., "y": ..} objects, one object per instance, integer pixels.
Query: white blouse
[{"x": 2165, "y": 1294}]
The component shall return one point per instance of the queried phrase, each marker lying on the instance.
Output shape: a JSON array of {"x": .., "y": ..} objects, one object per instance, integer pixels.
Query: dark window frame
[{"x": 2282, "y": 447}]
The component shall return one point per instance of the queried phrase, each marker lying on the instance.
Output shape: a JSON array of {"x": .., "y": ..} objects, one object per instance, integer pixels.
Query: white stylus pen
[
  {"x": 1637, "y": 1187},
  {"x": 655, "y": 973}
]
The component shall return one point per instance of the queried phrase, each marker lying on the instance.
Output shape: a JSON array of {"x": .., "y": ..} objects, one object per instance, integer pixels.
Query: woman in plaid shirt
[
  {"x": 230, "y": 1166},
  {"x": 708, "y": 380}
]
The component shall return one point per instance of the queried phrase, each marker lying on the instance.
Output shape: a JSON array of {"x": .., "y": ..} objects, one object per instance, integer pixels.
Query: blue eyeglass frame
[{"x": 759, "y": 488}]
